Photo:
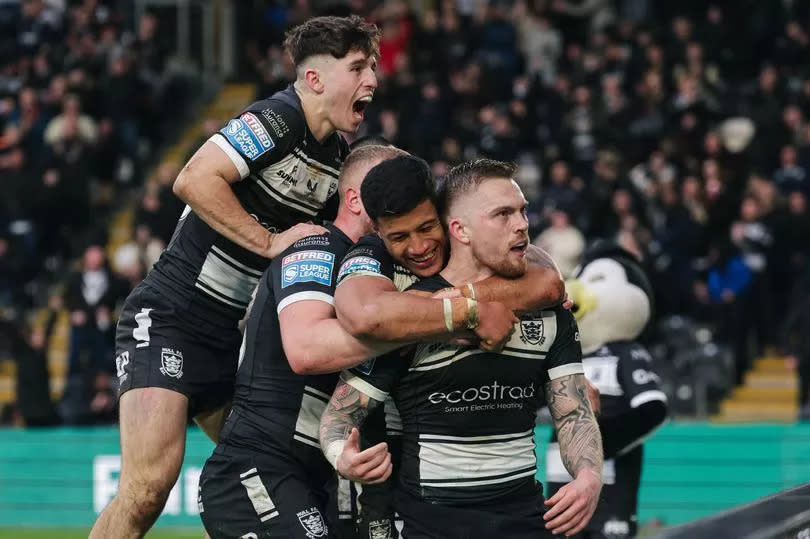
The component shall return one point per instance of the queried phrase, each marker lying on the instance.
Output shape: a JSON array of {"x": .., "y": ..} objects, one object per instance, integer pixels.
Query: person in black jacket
[{"x": 795, "y": 340}]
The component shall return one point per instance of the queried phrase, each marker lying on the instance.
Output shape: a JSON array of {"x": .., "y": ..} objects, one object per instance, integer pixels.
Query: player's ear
[
  {"x": 458, "y": 230},
  {"x": 314, "y": 79},
  {"x": 353, "y": 201}
]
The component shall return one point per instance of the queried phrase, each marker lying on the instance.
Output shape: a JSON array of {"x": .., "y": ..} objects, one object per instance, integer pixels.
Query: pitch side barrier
[{"x": 784, "y": 515}]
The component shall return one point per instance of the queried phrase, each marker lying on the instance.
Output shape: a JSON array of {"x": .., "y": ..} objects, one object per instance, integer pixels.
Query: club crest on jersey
[
  {"x": 313, "y": 523},
  {"x": 171, "y": 363},
  {"x": 531, "y": 332},
  {"x": 307, "y": 266},
  {"x": 379, "y": 529}
]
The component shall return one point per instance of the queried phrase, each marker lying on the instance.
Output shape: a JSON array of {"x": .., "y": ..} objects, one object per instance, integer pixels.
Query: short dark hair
[
  {"x": 336, "y": 36},
  {"x": 467, "y": 176},
  {"x": 396, "y": 186},
  {"x": 370, "y": 140}
]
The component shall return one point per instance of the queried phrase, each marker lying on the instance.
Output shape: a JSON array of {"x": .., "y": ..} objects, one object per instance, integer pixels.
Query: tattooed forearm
[
  {"x": 348, "y": 408},
  {"x": 577, "y": 430}
]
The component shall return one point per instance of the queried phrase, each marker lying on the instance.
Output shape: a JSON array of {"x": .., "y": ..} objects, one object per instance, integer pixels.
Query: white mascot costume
[{"x": 613, "y": 306}]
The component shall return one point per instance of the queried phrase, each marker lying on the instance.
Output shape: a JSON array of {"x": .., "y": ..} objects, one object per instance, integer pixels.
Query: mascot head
[{"x": 612, "y": 296}]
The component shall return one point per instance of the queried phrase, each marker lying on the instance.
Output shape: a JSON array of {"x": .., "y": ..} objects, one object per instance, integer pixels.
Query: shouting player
[{"x": 249, "y": 189}]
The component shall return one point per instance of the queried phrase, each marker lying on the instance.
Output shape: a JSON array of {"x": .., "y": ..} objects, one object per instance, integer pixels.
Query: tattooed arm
[
  {"x": 340, "y": 438},
  {"x": 581, "y": 449}
]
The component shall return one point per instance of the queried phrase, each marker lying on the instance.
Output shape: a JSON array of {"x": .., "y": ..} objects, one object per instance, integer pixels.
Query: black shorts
[
  {"x": 153, "y": 349},
  {"x": 377, "y": 517},
  {"x": 242, "y": 494},
  {"x": 517, "y": 519}
]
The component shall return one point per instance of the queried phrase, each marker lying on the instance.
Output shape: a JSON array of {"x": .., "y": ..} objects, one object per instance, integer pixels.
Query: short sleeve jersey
[
  {"x": 467, "y": 414},
  {"x": 287, "y": 177},
  {"x": 369, "y": 257},
  {"x": 276, "y": 410}
]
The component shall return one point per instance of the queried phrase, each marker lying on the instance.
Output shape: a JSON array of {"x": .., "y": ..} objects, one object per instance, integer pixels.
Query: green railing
[{"x": 63, "y": 477}]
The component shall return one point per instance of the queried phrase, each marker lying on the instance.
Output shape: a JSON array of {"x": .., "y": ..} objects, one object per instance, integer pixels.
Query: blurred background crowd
[{"x": 680, "y": 130}]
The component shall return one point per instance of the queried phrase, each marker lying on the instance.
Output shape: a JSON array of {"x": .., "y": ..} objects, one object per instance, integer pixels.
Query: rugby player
[
  {"x": 267, "y": 475},
  {"x": 616, "y": 301},
  {"x": 365, "y": 300},
  {"x": 250, "y": 189},
  {"x": 468, "y": 461}
]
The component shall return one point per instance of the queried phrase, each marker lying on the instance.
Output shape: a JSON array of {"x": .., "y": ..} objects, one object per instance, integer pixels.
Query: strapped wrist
[
  {"x": 333, "y": 451},
  {"x": 471, "y": 291},
  {"x": 472, "y": 321},
  {"x": 447, "y": 307}
]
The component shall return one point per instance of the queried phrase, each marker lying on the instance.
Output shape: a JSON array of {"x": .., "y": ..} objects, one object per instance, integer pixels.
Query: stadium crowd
[
  {"x": 84, "y": 97},
  {"x": 682, "y": 130}
]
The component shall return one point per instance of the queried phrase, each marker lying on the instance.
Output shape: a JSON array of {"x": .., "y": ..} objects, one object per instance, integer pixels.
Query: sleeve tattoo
[
  {"x": 348, "y": 408},
  {"x": 577, "y": 430}
]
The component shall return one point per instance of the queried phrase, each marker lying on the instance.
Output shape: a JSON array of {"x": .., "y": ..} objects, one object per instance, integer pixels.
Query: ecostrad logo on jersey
[{"x": 494, "y": 396}]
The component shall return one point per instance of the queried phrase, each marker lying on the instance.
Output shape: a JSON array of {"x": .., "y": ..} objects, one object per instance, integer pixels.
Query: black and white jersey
[
  {"x": 276, "y": 411},
  {"x": 288, "y": 177},
  {"x": 370, "y": 257},
  {"x": 623, "y": 373},
  {"x": 467, "y": 414}
]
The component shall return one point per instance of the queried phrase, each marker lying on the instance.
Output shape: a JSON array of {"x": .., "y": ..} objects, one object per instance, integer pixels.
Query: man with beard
[
  {"x": 369, "y": 304},
  {"x": 468, "y": 464}
]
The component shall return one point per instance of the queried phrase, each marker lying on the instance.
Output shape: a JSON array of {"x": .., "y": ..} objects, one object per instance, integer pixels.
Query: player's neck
[
  {"x": 315, "y": 113},
  {"x": 350, "y": 225},
  {"x": 463, "y": 267}
]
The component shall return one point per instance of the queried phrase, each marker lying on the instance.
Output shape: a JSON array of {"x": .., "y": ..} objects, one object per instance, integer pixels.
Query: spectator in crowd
[
  {"x": 728, "y": 282},
  {"x": 92, "y": 296},
  {"x": 563, "y": 241},
  {"x": 795, "y": 341},
  {"x": 643, "y": 121}
]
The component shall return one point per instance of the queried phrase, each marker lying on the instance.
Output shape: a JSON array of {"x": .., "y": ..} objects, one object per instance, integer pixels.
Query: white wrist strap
[
  {"x": 448, "y": 314},
  {"x": 471, "y": 288},
  {"x": 333, "y": 451}
]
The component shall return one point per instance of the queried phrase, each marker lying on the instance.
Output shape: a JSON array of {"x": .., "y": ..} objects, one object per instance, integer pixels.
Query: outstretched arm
[
  {"x": 581, "y": 450},
  {"x": 340, "y": 440},
  {"x": 371, "y": 308}
]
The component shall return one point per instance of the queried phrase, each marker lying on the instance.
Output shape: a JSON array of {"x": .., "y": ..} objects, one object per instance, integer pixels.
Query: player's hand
[
  {"x": 567, "y": 303},
  {"x": 496, "y": 324},
  {"x": 594, "y": 398},
  {"x": 370, "y": 466},
  {"x": 282, "y": 240},
  {"x": 572, "y": 507}
]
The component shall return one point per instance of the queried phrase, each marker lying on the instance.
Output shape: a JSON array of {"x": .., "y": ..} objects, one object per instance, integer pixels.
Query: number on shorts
[{"x": 141, "y": 333}]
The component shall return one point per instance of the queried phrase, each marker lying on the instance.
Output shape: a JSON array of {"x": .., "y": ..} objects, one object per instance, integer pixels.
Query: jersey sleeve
[
  {"x": 565, "y": 355},
  {"x": 305, "y": 272},
  {"x": 640, "y": 383},
  {"x": 260, "y": 136},
  {"x": 367, "y": 257},
  {"x": 378, "y": 376}
]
